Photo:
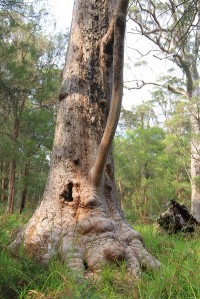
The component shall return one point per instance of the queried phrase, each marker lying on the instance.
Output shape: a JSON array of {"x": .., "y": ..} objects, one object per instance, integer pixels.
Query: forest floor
[{"x": 179, "y": 277}]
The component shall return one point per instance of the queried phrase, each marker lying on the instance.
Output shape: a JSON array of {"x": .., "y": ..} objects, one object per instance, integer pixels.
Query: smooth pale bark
[
  {"x": 193, "y": 92},
  {"x": 195, "y": 154},
  {"x": 80, "y": 216}
]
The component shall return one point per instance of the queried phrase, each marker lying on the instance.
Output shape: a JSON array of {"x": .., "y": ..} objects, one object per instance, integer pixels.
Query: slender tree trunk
[
  {"x": 11, "y": 187},
  {"x": 143, "y": 197},
  {"x": 80, "y": 216},
  {"x": 179, "y": 191},
  {"x": 195, "y": 154},
  {"x": 145, "y": 208},
  {"x": 3, "y": 166},
  {"x": 121, "y": 195},
  {"x": 25, "y": 186},
  {"x": 12, "y": 170}
]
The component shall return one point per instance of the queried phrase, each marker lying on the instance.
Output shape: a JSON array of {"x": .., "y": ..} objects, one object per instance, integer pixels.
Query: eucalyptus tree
[
  {"x": 151, "y": 162},
  {"x": 35, "y": 141},
  {"x": 80, "y": 217},
  {"x": 142, "y": 115},
  {"x": 29, "y": 78},
  {"x": 140, "y": 155},
  {"x": 173, "y": 26}
]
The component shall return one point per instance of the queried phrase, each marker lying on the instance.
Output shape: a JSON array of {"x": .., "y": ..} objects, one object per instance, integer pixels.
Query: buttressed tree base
[{"x": 79, "y": 216}]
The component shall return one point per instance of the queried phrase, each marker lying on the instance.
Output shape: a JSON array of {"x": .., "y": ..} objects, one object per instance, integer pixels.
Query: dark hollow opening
[
  {"x": 108, "y": 48},
  {"x": 76, "y": 161},
  {"x": 96, "y": 18},
  {"x": 85, "y": 264},
  {"x": 67, "y": 193}
]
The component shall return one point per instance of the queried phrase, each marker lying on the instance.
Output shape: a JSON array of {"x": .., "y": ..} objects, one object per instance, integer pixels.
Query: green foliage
[
  {"x": 152, "y": 163},
  {"x": 29, "y": 84},
  {"x": 140, "y": 63},
  {"x": 179, "y": 276},
  {"x": 139, "y": 116}
]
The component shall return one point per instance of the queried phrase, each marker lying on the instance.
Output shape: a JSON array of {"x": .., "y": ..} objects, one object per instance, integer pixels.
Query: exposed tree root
[{"x": 86, "y": 244}]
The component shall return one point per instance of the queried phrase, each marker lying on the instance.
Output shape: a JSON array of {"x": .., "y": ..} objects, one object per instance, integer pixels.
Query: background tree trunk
[
  {"x": 79, "y": 217},
  {"x": 3, "y": 171},
  {"x": 25, "y": 186},
  {"x": 195, "y": 154},
  {"x": 12, "y": 170},
  {"x": 11, "y": 187},
  {"x": 149, "y": 19}
]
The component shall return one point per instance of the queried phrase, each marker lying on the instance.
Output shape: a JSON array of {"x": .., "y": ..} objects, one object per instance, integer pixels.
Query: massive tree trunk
[{"x": 80, "y": 216}]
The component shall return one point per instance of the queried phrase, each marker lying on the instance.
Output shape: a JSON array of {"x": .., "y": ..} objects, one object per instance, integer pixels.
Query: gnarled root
[{"x": 90, "y": 243}]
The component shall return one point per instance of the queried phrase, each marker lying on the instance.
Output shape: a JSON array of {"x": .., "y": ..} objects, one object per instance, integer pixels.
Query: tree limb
[
  {"x": 141, "y": 85},
  {"x": 118, "y": 25},
  {"x": 178, "y": 91}
]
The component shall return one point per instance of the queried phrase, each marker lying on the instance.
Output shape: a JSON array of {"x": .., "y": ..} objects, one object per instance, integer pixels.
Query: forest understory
[{"x": 22, "y": 277}]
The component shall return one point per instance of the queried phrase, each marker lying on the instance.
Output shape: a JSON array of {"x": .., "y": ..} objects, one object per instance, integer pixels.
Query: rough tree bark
[
  {"x": 80, "y": 215},
  {"x": 25, "y": 186}
]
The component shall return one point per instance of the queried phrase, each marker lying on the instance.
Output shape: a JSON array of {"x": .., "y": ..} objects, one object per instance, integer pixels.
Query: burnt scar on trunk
[{"x": 67, "y": 193}]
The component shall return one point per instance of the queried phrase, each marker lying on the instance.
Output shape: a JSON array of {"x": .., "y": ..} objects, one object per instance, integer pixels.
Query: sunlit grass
[{"x": 178, "y": 277}]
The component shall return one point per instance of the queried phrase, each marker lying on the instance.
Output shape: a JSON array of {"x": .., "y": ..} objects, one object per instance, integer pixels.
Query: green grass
[{"x": 179, "y": 277}]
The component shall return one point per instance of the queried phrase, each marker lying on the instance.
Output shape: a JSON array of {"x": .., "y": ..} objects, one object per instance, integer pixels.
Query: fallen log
[{"x": 177, "y": 218}]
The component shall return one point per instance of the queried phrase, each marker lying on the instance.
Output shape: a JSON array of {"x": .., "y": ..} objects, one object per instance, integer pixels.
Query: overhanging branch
[
  {"x": 141, "y": 85},
  {"x": 177, "y": 91}
]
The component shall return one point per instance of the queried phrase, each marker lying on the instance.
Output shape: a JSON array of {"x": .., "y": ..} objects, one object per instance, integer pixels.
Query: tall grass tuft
[{"x": 179, "y": 276}]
